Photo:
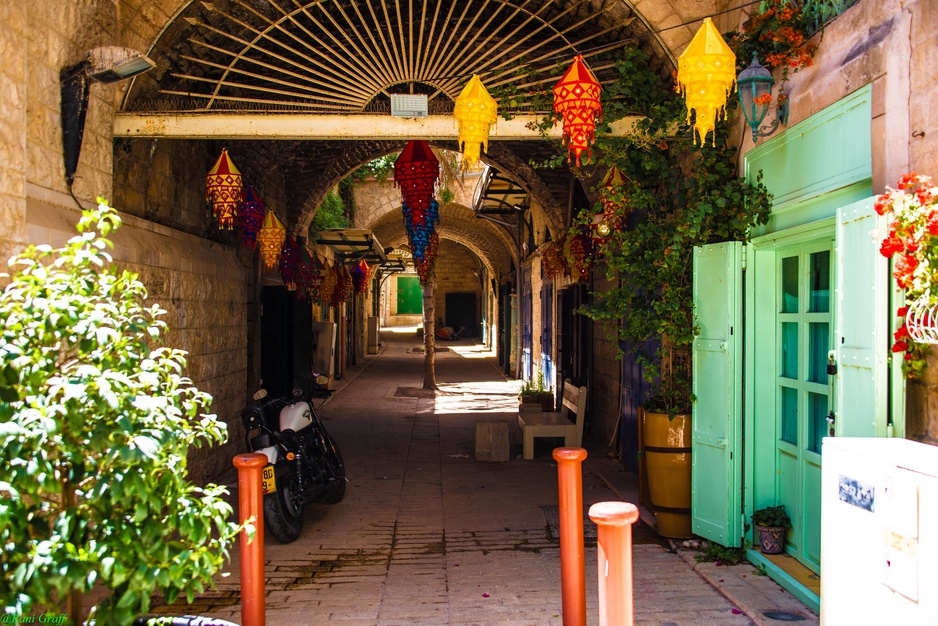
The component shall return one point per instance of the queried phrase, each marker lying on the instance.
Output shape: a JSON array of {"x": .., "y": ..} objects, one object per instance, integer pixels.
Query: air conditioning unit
[{"x": 408, "y": 105}]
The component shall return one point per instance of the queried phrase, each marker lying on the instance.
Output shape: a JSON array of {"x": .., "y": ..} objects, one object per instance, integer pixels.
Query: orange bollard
[
  {"x": 250, "y": 507},
  {"x": 614, "y": 551},
  {"x": 572, "y": 559}
]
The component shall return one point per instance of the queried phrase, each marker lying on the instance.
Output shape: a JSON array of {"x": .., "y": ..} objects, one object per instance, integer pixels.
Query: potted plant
[
  {"x": 96, "y": 423},
  {"x": 535, "y": 391},
  {"x": 772, "y": 524}
]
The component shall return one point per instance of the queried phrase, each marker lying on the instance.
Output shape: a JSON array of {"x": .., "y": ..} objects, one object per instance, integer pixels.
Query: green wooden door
[
  {"x": 862, "y": 324},
  {"x": 803, "y": 334},
  {"x": 409, "y": 296},
  {"x": 717, "y": 416}
]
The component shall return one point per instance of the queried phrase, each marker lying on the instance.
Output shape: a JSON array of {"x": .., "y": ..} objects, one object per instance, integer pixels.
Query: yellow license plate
[{"x": 269, "y": 482}]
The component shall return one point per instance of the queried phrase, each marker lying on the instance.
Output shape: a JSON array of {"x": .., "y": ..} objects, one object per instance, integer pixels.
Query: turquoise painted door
[
  {"x": 862, "y": 403},
  {"x": 804, "y": 326},
  {"x": 716, "y": 502}
]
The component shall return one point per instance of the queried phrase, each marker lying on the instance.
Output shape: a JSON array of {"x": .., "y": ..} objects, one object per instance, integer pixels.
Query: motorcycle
[{"x": 304, "y": 463}]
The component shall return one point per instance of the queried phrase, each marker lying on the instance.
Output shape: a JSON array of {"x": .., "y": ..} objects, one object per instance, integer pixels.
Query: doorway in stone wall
[
  {"x": 461, "y": 313},
  {"x": 286, "y": 341}
]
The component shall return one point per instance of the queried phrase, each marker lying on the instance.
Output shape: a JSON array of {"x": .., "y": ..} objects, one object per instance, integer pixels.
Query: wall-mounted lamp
[
  {"x": 108, "y": 64},
  {"x": 755, "y": 95}
]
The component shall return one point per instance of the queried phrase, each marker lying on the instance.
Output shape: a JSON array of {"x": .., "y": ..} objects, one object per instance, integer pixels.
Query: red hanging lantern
[
  {"x": 250, "y": 216},
  {"x": 223, "y": 190},
  {"x": 360, "y": 275},
  {"x": 576, "y": 98},
  {"x": 579, "y": 253},
  {"x": 343, "y": 286},
  {"x": 415, "y": 172}
]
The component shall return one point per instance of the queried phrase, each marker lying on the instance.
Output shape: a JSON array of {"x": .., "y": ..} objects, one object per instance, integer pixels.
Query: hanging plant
[{"x": 912, "y": 242}]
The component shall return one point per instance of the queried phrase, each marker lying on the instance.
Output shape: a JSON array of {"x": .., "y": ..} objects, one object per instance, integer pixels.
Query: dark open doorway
[{"x": 461, "y": 312}]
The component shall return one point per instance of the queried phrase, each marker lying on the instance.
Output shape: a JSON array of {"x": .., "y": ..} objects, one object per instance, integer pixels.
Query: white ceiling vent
[{"x": 408, "y": 105}]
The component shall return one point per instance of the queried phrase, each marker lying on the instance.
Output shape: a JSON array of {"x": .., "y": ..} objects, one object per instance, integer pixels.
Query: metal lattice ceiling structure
[{"x": 347, "y": 56}]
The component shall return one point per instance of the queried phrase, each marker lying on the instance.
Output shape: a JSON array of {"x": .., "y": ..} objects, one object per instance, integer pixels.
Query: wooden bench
[{"x": 568, "y": 423}]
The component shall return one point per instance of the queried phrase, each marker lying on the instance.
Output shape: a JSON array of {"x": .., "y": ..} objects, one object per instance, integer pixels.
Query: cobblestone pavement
[{"x": 427, "y": 535}]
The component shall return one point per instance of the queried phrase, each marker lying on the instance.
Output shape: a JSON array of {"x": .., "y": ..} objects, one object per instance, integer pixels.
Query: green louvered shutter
[
  {"x": 862, "y": 339},
  {"x": 717, "y": 414}
]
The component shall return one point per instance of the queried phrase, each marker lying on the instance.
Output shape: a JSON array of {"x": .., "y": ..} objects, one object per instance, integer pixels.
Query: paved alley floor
[{"x": 428, "y": 535}]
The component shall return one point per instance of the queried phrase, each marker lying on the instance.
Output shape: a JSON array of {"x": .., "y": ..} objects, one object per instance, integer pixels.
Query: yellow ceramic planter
[{"x": 667, "y": 449}]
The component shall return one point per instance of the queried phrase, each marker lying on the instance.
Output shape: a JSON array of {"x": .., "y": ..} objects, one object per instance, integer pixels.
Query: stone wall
[
  {"x": 201, "y": 286},
  {"x": 454, "y": 266}
]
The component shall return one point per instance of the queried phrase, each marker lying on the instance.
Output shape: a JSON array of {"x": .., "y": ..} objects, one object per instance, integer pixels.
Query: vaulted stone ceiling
[{"x": 348, "y": 56}]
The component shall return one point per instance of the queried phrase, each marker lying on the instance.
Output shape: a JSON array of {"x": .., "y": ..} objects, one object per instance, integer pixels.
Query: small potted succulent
[
  {"x": 772, "y": 524},
  {"x": 534, "y": 391}
]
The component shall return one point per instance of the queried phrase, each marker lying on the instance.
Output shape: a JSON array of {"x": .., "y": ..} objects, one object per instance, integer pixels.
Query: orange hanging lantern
[
  {"x": 271, "y": 237},
  {"x": 223, "y": 190},
  {"x": 576, "y": 98},
  {"x": 706, "y": 73},
  {"x": 475, "y": 112}
]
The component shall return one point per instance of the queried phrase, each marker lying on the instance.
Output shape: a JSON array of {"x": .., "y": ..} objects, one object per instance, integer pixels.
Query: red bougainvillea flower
[
  {"x": 902, "y": 312},
  {"x": 901, "y": 333},
  {"x": 900, "y": 346}
]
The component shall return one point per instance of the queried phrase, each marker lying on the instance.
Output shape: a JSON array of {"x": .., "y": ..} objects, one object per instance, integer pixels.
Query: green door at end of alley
[
  {"x": 409, "y": 296},
  {"x": 716, "y": 502}
]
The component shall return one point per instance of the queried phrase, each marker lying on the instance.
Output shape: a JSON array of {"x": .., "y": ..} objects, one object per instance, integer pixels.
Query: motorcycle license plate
[{"x": 269, "y": 482}]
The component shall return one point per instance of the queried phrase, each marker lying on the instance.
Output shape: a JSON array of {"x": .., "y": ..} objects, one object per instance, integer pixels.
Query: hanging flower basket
[
  {"x": 912, "y": 242},
  {"x": 921, "y": 320}
]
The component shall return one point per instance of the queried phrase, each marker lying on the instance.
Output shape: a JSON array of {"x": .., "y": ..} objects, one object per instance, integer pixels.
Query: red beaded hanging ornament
[
  {"x": 316, "y": 280},
  {"x": 289, "y": 262},
  {"x": 223, "y": 190},
  {"x": 304, "y": 274},
  {"x": 250, "y": 216},
  {"x": 416, "y": 172},
  {"x": 576, "y": 98}
]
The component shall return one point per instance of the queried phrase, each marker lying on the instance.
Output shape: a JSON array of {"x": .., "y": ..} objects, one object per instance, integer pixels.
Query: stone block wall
[{"x": 454, "y": 265}]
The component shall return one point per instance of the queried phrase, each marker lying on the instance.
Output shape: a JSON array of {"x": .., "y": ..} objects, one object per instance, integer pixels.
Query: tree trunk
[{"x": 429, "y": 336}]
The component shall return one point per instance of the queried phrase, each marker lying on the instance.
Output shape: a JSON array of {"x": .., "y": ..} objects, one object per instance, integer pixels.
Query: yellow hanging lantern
[
  {"x": 475, "y": 112},
  {"x": 223, "y": 190},
  {"x": 706, "y": 73},
  {"x": 271, "y": 237}
]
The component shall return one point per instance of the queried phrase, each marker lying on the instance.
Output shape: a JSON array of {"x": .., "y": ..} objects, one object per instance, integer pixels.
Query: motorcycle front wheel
[{"x": 283, "y": 516}]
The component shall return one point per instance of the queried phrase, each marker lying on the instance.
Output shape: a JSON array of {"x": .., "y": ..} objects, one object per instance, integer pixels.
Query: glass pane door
[{"x": 804, "y": 321}]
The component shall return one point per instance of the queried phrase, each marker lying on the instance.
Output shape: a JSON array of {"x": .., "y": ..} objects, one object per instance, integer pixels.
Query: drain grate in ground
[
  {"x": 552, "y": 518},
  {"x": 414, "y": 392},
  {"x": 641, "y": 532}
]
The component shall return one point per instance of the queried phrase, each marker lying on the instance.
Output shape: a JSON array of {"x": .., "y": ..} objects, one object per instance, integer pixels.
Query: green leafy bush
[{"x": 96, "y": 420}]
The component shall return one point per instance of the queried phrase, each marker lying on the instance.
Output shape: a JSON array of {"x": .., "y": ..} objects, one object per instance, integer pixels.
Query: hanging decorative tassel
[{"x": 223, "y": 190}]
